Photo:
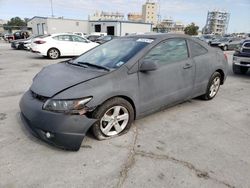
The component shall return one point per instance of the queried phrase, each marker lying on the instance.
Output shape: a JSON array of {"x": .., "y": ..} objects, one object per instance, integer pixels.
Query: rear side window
[
  {"x": 78, "y": 39},
  {"x": 196, "y": 49},
  {"x": 63, "y": 38},
  {"x": 172, "y": 50}
]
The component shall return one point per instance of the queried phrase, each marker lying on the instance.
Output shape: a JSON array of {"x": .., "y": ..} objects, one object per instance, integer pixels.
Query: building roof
[
  {"x": 120, "y": 21},
  {"x": 56, "y": 18}
]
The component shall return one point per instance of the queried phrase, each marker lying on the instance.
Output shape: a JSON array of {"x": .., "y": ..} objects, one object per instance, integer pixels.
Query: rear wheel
[
  {"x": 213, "y": 86},
  {"x": 239, "y": 70},
  {"x": 53, "y": 53},
  {"x": 115, "y": 117}
]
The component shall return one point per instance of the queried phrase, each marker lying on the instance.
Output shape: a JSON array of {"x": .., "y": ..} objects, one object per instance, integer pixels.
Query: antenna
[{"x": 51, "y": 6}]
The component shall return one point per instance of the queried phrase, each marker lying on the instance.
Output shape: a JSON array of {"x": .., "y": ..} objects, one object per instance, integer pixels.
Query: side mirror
[
  {"x": 148, "y": 66},
  {"x": 230, "y": 41}
]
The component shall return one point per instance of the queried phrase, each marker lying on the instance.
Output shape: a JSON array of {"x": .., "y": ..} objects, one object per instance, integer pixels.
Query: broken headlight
[{"x": 72, "y": 106}]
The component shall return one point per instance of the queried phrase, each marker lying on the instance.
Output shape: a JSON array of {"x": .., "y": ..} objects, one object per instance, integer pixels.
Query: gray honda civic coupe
[{"x": 108, "y": 87}]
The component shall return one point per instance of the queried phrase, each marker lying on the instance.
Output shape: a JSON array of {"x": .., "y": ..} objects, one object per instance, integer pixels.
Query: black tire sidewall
[
  {"x": 101, "y": 110},
  {"x": 207, "y": 96}
]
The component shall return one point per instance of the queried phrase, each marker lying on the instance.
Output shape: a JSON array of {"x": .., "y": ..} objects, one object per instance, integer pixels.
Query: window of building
[
  {"x": 170, "y": 51},
  {"x": 77, "y": 23},
  {"x": 196, "y": 49}
]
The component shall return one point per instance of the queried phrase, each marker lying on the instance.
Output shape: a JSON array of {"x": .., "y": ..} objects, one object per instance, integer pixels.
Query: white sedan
[{"x": 62, "y": 44}]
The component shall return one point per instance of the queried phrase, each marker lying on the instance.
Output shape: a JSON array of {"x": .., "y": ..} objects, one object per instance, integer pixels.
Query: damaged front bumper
[{"x": 62, "y": 130}]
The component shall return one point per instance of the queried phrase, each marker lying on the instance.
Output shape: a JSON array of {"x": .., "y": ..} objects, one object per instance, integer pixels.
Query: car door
[
  {"x": 65, "y": 44},
  {"x": 173, "y": 80},
  {"x": 201, "y": 58},
  {"x": 81, "y": 45}
]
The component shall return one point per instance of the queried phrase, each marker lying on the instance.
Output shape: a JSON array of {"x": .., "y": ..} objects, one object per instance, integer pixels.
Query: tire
[
  {"x": 53, "y": 53},
  {"x": 239, "y": 70},
  {"x": 225, "y": 48},
  {"x": 213, "y": 86},
  {"x": 108, "y": 123}
]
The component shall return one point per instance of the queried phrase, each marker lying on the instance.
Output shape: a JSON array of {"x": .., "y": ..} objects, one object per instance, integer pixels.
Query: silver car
[{"x": 108, "y": 87}]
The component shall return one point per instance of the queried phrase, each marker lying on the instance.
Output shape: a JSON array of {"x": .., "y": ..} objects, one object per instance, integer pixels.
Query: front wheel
[
  {"x": 115, "y": 117},
  {"x": 213, "y": 86}
]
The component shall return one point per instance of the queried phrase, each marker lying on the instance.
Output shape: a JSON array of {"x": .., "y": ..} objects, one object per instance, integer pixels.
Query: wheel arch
[
  {"x": 222, "y": 75},
  {"x": 125, "y": 98}
]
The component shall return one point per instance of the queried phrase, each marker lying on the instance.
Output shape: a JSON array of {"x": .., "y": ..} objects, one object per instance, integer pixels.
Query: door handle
[{"x": 187, "y": 66}]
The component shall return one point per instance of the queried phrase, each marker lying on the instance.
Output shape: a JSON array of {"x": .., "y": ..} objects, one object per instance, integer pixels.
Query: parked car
[
  {"x": 104, "y": 39},
  {"x": 241, "y": 59},
  {"x": 206, "y": 38},
  {"x": 93, "y": 38},
  {"x": 61, "y": 44},
  {"x": 23, "y": 44},
  {"x": 80, "y": 34},
  {"x": 110, "y": 86},
  {"x": 9, "y": 37},
  {"x": 230, "y": 44},
  {"x": 217, "y": 41}
]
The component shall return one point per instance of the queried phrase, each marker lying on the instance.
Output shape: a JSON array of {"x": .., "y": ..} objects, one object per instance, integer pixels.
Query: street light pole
[{"x": 52, "y": 11}]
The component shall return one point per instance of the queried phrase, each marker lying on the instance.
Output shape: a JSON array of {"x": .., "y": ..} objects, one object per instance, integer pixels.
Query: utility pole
[
  {"x": 51, "y": 6},
  {"x": 159, "y": 11}
]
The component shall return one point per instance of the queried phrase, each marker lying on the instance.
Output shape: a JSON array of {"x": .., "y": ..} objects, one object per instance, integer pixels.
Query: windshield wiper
[{"x": 93, "y": 65}]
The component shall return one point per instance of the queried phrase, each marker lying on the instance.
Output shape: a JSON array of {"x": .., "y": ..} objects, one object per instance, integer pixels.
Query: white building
[
  {"x": 44, "y": 25},
  {"x": 217, "y": 22},
  {"x": 119, "y": 28},
  {"x": 149, "y": 12},
  {"x": 107, "y": 16}
]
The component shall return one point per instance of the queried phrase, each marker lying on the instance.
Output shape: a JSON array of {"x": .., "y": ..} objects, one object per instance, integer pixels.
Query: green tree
[
  {"x": 16, "y": 21},
  {"x": 191, "y": 29}
]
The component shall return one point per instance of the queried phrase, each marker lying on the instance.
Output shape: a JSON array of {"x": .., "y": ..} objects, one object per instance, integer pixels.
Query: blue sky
[{"x": 186, "y": 11}]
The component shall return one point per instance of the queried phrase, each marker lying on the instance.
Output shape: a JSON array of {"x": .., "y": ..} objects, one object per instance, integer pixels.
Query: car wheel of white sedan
[
  {"x": 53, "y": 53},
  {"x": 115, "y": 117}
]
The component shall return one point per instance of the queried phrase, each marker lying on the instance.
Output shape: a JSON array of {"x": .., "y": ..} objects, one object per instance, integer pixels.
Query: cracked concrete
[
  {"x": 130, "y": 160},
  {"x": 194, "y": 144}
]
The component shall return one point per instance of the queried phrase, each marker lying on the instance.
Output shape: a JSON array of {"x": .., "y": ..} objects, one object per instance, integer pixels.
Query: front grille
[
  {"x": 246, "y": 50},
  {"x": 245, "y": 63},
  {"x": 39, "y": 97}
]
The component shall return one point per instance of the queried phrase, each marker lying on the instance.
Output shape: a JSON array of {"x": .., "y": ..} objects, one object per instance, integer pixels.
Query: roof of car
[{"x": 160, "y": 36}]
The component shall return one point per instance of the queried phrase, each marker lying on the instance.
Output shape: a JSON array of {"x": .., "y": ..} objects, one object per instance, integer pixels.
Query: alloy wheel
[
  {"x": 53, "y": 53},
  {"x": 114, "y": 120},
  {"x": 214, "y": 87}
]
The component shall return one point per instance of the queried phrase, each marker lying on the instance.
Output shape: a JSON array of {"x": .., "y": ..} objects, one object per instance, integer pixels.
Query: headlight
[
  {"x": 73, "y": 106},
  {"x": 221, "y": 44}
]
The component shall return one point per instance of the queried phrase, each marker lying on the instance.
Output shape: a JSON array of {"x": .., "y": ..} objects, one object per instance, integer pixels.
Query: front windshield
[
  {"x": 115, "y": 53},
  {"x": 224, "y": 40}
]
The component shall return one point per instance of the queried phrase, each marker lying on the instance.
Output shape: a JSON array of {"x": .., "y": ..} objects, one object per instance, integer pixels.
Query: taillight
[
  {"x": 40, "y": 42},
  {"x": 225, "y": 56}
]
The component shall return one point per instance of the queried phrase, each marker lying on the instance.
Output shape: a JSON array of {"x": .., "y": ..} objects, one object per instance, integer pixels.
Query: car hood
[{"x": 55, "y": 78}]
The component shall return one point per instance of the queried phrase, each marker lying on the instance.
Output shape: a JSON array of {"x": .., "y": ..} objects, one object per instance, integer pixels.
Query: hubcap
[
  {"x": 114, "y": 120},
  {"x": 214, "y": 87},
  {"x": 53, "y": 53}
]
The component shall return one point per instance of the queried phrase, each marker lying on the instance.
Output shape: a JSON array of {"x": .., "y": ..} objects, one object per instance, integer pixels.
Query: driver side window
[{"x": 170, "y": 51}]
